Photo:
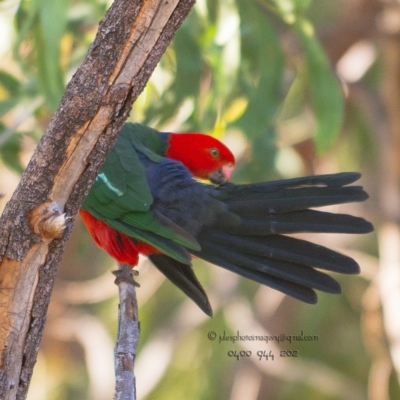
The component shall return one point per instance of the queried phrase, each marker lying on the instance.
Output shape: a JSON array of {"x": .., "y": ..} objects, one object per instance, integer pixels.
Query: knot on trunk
[{"x": 48, "y": 221}]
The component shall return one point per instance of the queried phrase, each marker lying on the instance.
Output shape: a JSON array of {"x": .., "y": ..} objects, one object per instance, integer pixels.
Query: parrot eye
[{"x": 214, "y": 152}]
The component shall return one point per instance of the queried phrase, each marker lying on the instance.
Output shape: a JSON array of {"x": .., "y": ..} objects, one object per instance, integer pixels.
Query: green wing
[
  {"x": 121, "y": 185},
  {"x": 121, "y": 197},
  {"x": 146, "y": 140}
]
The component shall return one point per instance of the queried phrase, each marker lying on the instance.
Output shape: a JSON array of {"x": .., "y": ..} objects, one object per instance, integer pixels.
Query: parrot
[{"x": 168, "y": 196}]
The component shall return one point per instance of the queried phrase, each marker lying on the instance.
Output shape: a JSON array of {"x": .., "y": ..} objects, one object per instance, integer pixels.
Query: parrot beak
[{"x": 221, "y": 175}]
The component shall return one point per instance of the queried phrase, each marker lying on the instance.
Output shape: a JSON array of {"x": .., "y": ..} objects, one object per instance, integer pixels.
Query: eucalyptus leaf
[
  {"x": 326, "y": 94},
  {"x": 10, "y": 83},
  {"x": 10, "y": 151},
  {"x": 7, "y": 105},
  {"x": 49, "y": 31},
  {"x": 263, "y": 59}
]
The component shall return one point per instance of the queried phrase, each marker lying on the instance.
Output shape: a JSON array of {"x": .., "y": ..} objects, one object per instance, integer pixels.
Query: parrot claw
[{"x": 126, "y": 274}]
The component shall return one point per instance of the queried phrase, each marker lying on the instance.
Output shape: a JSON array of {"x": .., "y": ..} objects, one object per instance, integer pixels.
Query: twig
[{"x": 127, "y": 340}]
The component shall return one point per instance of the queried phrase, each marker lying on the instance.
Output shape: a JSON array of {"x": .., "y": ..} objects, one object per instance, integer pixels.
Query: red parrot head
[{"x": 204, "y": 156}]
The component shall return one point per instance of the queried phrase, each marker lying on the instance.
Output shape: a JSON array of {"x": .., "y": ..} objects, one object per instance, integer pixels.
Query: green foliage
[{"x": 226, "y": 69}]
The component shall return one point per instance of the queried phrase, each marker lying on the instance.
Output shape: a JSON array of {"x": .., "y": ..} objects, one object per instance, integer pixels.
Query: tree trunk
[{"x": 37, "y": 221}]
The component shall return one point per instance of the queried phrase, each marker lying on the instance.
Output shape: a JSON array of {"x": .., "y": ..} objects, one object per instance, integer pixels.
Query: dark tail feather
[
  {"x": 338, "y": 180},
  {"x": 258, "y": 204},
  {"x": 331, "y": 180},
  {"x": 295, "y": 290},
  {"x": 291, "y": 271},
  {"x": 285, "y": 248},
  {"x": 182, "y": 275},
  {"x": 299, "y": 221}
]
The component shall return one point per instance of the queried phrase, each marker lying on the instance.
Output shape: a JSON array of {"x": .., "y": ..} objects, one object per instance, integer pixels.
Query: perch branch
[{"x": 127, "y": 340}]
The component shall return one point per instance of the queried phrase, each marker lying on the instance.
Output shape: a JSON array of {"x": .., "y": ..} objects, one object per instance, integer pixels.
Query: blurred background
[{"x": 293, "y": 87}]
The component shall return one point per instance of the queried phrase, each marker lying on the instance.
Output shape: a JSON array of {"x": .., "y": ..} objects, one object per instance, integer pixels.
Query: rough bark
[{"x": 37, "y": 221}]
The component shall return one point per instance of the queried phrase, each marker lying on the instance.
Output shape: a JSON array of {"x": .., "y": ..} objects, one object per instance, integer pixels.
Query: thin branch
[{"x": 127, "y": 340}]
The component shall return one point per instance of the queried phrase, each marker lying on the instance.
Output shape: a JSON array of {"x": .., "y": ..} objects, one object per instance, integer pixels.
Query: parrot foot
[{"x": 126, "y": 274}]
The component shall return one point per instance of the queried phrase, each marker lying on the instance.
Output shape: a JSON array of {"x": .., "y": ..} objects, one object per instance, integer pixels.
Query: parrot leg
[{"x": 126, "y": 274}]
